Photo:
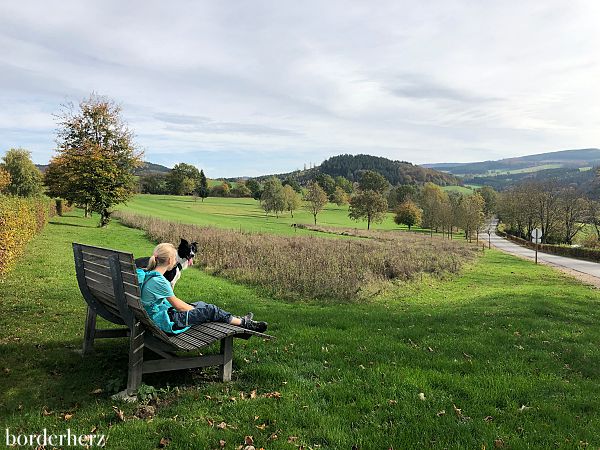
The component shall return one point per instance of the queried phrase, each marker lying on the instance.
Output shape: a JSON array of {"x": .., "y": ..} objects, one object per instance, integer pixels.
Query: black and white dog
[{"x": 185, "y": 258}]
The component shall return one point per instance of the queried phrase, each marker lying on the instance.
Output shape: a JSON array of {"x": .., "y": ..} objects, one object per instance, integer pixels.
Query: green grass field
[
  {"x": 465, "y": 190},
  {"x": 511, "y": 345},
  {"x": 245, "y": 213}
]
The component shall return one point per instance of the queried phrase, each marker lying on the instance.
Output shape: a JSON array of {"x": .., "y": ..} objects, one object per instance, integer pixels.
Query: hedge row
[
  {"x": 588, "y": 254},
  {"x": 20, "y": 219}
]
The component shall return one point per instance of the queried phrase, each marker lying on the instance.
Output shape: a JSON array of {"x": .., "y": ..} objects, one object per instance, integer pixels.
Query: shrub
[{"x": 20, "y": 219}]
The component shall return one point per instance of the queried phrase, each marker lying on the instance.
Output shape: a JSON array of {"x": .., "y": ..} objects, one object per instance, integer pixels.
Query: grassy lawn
[
  {"x": 465, "y": 190},
  {"x": 246, "y": 214},
  {"x": 510, "y": 344}
]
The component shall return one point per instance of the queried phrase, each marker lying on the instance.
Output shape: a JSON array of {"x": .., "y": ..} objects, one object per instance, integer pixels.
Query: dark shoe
[{"x": 253, "y": 325}]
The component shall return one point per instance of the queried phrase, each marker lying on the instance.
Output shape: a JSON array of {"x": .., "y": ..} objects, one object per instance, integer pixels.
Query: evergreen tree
[{"x": 202, "y": 189}]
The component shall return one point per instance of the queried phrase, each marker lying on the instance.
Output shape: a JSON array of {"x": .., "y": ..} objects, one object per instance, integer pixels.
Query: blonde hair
[{"x": 161, "y": 255}]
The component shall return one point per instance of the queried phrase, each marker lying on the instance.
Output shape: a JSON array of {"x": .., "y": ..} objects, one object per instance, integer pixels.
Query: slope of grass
[
  {"x": 243, "y": 213},
  {"x": 511, "y": 345}
]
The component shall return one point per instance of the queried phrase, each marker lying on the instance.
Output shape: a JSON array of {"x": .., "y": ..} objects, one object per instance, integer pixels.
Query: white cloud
[{"x": 422, "y": 81}]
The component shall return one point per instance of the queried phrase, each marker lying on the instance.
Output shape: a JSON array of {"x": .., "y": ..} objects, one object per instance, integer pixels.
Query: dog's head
[{"x": 187, "y": 251}]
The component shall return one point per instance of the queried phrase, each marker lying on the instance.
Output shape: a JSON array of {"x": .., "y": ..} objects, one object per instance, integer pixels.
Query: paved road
[{"x": 589, "y": 271}]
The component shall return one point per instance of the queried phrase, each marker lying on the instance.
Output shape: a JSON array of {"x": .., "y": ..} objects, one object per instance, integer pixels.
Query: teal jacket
[{"x": 155, "y": 289}]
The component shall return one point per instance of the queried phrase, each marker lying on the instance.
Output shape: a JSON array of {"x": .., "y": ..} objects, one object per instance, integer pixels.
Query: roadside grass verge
[
  {"x": 510, "y": 344},
  {"x": 306, "y": 267}
]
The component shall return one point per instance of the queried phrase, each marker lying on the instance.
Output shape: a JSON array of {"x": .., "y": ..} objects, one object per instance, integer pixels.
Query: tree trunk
[{"x": 104, "y": 218}]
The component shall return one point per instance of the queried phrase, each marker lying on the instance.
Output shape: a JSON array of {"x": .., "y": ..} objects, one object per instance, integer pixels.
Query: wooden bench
[{"x": 109, "y": 284}]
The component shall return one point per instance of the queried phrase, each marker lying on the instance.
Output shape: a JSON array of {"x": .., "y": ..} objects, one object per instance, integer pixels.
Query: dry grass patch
[{"x": 308, "y": 267}]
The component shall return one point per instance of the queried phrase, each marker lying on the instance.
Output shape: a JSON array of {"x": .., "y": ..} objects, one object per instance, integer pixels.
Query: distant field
[
  {"x": 213, "y": 183},
  {"x": 467, "y": 190},
  {"x": 243, "y": 213}
]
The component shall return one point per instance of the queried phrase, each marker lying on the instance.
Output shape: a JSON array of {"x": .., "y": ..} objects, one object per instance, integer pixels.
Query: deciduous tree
[
  {"x": 4, "y": 180},
  {"x": 316, "y": 199},
  {"x": 24, "y": 179},
  {"x": 291, "y": 199},
  {"x": 370, "y": 205},
  {"x": 272, "y": 198},
  {"x": 96, "y": 157},
  {"x": 408, "y": 213}
]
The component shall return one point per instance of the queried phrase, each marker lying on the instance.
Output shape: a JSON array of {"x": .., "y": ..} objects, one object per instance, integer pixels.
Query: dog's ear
[{"x": 184, "y": 241}]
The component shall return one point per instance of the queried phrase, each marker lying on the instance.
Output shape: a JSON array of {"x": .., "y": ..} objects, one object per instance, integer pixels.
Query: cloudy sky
[{"x": 254, "y": 87}]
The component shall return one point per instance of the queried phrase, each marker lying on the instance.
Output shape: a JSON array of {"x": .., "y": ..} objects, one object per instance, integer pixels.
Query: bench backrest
[{"x": 108, "y": 281}]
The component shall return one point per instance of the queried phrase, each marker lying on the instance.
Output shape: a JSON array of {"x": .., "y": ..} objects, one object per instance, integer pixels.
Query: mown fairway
[
  {"x": 513, "y": 346},
  {"x": 244, "y": 213}
]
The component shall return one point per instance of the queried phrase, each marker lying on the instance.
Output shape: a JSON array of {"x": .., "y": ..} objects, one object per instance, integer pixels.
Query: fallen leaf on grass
[
  {"x": 524, "y": 408},
  {"x": 45, "y": 412},
  {"x": 292, "y": 439},
  {"x": 459, "y": 413},
  {"x": 273, "y": 437},
  {"x": 430, "y": 349},
  {"x": 272, "y": 395},
  {"x": 97, "y": 391},
  {"x": 222, "y": 426},
  {"x": 441, "y": 413},
  {"x": 248, "y": 440},
  {"x": 253, "y": 394},
  {"x": 68, "y": 416},
  {"x": 163, "y": 442},
  {"x": 498, "y": 443},
  {"x": 210, "y": 422},
  {"x": 261, "y": 427},
  {"x": 145, "y": 412},
  {"x": 222, "y": 443},
  {"x": 421, "y": 396},
  {"x": 119, "y": 413},
  {"x": 488, "y": 418},
  {"x": 393, "y": 402}
]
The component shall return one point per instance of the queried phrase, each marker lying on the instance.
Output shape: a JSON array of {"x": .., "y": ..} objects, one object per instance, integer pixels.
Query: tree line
[{"x": 560, "y": 211}]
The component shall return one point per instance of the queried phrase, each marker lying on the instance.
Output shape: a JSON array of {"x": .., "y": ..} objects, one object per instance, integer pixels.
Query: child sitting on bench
[{"x": 171, "y": 314}]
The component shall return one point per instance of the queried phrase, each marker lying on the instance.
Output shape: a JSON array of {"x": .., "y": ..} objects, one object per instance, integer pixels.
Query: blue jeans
[{"x": 202, "y": 313}]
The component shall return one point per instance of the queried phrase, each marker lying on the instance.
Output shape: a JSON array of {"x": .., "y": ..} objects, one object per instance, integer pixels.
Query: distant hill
[
  {"x": 588, "y": 157},
  {"x": 147, "y": 168},
  {"x": 151, "y": 168},
  {"x": 351, "y": 167},
  {"x": 575, "y": 168}
]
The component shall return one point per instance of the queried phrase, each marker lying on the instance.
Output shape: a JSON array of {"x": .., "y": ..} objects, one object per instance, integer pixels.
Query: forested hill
[
  {"x": 396, "y": 172},
  {"x": 351, "y": 166}
]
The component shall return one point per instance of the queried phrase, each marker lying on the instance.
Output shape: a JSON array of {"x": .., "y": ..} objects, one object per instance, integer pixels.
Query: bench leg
[
  {"x": 90, "y": 332},
  {"x": 136, "y": 358},
  {"x": 227, "y": 352}
]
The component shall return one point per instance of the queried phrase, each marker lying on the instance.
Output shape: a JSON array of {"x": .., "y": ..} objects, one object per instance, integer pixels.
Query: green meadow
[
  {"x": 244, "y": 213},
  {"x": 503, "y": 355}
]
